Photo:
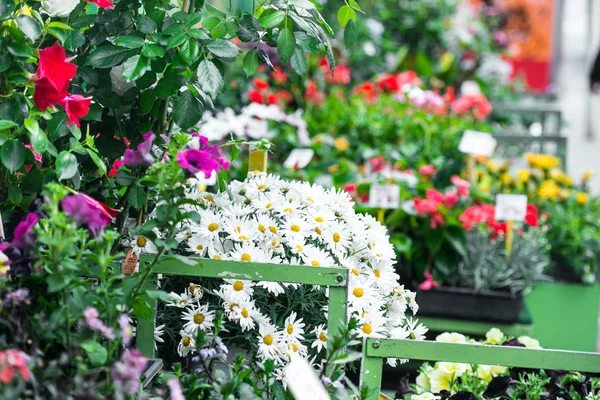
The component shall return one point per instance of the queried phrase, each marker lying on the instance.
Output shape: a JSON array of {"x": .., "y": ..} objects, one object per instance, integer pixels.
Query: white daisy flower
[
  {"x": 144, "y": 245},
  {"x": 295, "y": 225},
  {"x": 211, "y": 224},
  {"x": 269, "y": 343},
  {"x": 321, "y": 338},
  {"x": 275, "y": 288},
  {"x": 198, "y": 318},
  {"x": 416, "y": 331},
  {"x": 181, "y": 300},
  {"x": 198, "y": 245},
  {"x": 316, "y": 257},
  {"x": 186, "y": 344},
  {"x": 293, "y": 328},
  {"x": 246, "y": 252},
  {"x": 237, "y": 290}
]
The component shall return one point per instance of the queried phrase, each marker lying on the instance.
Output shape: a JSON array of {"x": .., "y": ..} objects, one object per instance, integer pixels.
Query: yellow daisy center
[
  {"x": 318, "y": 230},
  {"x": 183, "y": 301},
  {"x": 186, "y": 341},
  {"x": 273, "y": 229},
  {"x": 213, "y": 226},
  {"x": 358, "y": 292},
  {"x": 198, "y": 319},
  {"x": 261, "y": 187},
  {"x": 299, "y": 248},
  {"x": 413, "y": 336},
  {"x": 269, "y": 205},
  {"x": 199, "y": 247},
  {"x": 315, "y": 263},
  {"x": 262, "y": 228},
  {"x": 238, "y": 286},
  {"x": 288, "y": 210},
  {"x": 319, "y": 219},
  {"x": 322, "y": 337},
  {"x": 268, "y": 340},
  {"x": 246, "y": 257},
  {"x": 367, "y": 328},
  {"x": 209, "y": 197},
  {"x": 217, "y": 257},
  {"x": 244, "y": 313},
  {"x": 294, "y": 347},
  {"x": 141, "y": 242},
  {"x": 295, "y": 228},
  {"x": 243, "y": 237},
  {"x": 290, "y": 329},
  {"x": 336, "y": 237},
  {"x": 377, "y": 273},
  {"x": 355, "y": 271}
]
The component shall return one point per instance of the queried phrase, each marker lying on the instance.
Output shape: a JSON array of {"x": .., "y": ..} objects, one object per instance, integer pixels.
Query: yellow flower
[
  {"x": 564, "y": 194},
  {"x": 333, "y": 169},
  {"x": 524, "y": 175},
  {"x": 530, "y": 343},
  {"x": 544, "y": 161},
  {"x": 4, "y": 267},
  {"x": 487, "y": 372},
  {"x": 493, "y": 166},
  {"x": 480, "y": 159},
  {"x": 320, "y": 138},
  {"x": 587, "y": 175},
  {"x": 506, "y": 178},
  {"x": 549, "y": 190},
  {"x": 494, "y": 336},
  {"x": 341, "y": 144},
  {"x": 581, "y": 198}
]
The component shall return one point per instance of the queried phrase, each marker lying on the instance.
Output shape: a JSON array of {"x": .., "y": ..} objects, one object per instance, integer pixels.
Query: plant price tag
[
  {"x": 384, "y": 195},
  {"x": 299, "y": 158},
  {"x": 303, "y": 382},
  {"x": 511, "y": 207},
  {"x": 477, "y": 143},
  {"x": 257, "y": 161}
]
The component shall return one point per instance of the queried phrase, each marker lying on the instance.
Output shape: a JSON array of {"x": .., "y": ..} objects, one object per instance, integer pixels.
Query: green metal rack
[
  {"x": 375, "y": 350},
  {"x": 334, "y": 278}
]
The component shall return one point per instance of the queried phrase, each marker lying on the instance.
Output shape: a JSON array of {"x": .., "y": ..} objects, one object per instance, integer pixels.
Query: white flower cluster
[
  {"x": 252, "y": 122},
  {"x": 270, "y": 220}
]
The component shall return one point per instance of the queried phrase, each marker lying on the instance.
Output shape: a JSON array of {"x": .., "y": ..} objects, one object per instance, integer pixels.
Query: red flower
[
  {"x": 388, "y": 83},
  {"x": 106, "y": 213},
  {"x": 102, "y": 3},
  {"x": 531, "y": 217},
  {"x": 53, "y": 76},
  {"x": 340, "y": 77},
  {"x": 260, "y": 84},
  {"x": 12, "y": 361},
  {"x": 450, "y": 95},
  {"x": 462, "y": 185},
  {"x": 408, "y": 77},
  {"x": 428, "y": 283},
  {"x": 76, "y": 106},
  {"x": 377, "y": 163},
  {"x": 450, "y": 199},
  {"x": 313, "y": 94},
  {"x": 273, "y": 98},
  {"x": 279, "y": 75},
  {"x": 435, "y": 196},
  {"x": 285, "y": 95},
  {"x": 115, "y": 168},
  {"x": 477, "y": 103},
  {"x": 366, "y": 89},
  {"x": 427, "y": 170},
  {"x": 255, "y": 97}
]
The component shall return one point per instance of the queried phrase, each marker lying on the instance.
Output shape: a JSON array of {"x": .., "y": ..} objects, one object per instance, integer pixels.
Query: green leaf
[
  {"x": 96, "y": 352},
  {"x": 14, "y": 194},
  {"x": 60, "y": 25},
  {"x": 198, "y": 34},
  {"x": 66, "y": 165},
  {"x": 137, "y": 197},
  {"x": 131, "y": 42},
  {"x": 298, "y": 61},
  {"x": 286, "y": 43},
  {"x": 146, "y": 24},
  {"x": 456, "y": 236},
  {"x": 187, "y": 110},
  {"x": 251, "y": 63},
  {"x": 216, "y": 26},
  {"x": 4, "y": 63},
  {"x": 29, "y": 26},
  {"x": 97, "y": 160},
  {"x": 212, "y": 10},
  {"x": 305, "y": 4},
  {"x": 107, "y": 56},
  {"x": 355, "y": 6},
  {"x": 345, "y": 14},
  {"x": 223, "y": 48},
  {"x": 57, "y": 126},
  {"x": 13, "y": 154},
  {"x": 4, "y": 136},
  {"x": 38, "y": 136},
  {"x": 209, "y": 78},
  {"x": 6, "y": 124},
  {"x": 73, "y": 39},
  {"x": 6, "y": 8},
  {"x": 124, "y": 178},
  {"x": 153, "y": 51},
  {"x": 190, "y": 51},
  {"x": 176, "y": 39},
  {"x": 32, "y": 182},
  {"x": 272, "y": 20},
  {"x": 192, "y": 20},
  {"x": 350, "y": 34},
  {"x": 433, "y": 239},
  {"x": 135, "y": 67},
  {"x": 142, "y": 310}
]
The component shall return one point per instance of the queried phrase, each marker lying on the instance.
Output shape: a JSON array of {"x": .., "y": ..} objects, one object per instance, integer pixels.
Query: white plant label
[
  {"x": 299, "y": 158},
  {"x": 303, "y": 382},
  {"x": 511, "y": 207},
  {"x": 385, "y": 195},
  {"x": 477, "y": 143}
]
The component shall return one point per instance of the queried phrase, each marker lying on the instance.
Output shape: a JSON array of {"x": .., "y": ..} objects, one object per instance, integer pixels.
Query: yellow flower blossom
[
  {"x": 493, "y": 166},
  {"x": 587, "y": 175},
  {"x": 341, "y": 144},
  {"x": 524, "y": 175},
  {"x": 549, "y": 190},
  {"x": 494, "y": 336},
  {"x": 506, "y": 178},
  {"x": 543, "y": 161},
  {"x": 581, "y": 198}
]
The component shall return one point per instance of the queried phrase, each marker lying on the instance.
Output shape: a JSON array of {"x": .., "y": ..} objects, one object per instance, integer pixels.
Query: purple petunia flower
[
  {"x": 93, "y": 322},
  {"x": 175, "y": 388},
  {"x": 142, "y": 155},
  {"x": 214, "y": 151},
  {"x": 22, "y": 236},
  {"x": 78, "y": 208},
  {"x": 196, "y": 161},
  {"x": 128, "y": 371},
  {"x": 16, "y": 298}
]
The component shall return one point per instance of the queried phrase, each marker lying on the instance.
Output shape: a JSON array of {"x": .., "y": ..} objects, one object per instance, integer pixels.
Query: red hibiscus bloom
[
  {"x": 76, "y": 106},
  {"x": 53, "y": 76}
]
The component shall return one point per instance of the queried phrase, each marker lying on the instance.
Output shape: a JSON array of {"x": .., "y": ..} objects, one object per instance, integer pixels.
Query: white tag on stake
[
  {"x": 511, "y": 207},
  {"x": 299, "y": 158},
  {"x": 384, "y": 195},
  {"x": 477, "y": 143},
  {"x": 303, "y": 382}
]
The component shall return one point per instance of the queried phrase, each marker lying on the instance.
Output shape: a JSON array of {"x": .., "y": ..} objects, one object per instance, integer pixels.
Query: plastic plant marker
[
  {"x": 257, "y": 160},
  {"x": 509, "y": 237}
]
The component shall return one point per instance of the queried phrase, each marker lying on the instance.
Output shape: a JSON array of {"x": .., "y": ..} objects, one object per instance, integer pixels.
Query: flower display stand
[
  {"x": 565, "y": 315},
  {"x": 375, "y": 350},
  {"x": 336, "y": 279}
]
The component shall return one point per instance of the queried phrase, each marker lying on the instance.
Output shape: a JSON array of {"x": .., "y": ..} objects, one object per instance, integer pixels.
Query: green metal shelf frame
[
  {"x": 375, "y": 350},
  {"x": 474, "y": 327},
  {"x": 336, "y": 279}
]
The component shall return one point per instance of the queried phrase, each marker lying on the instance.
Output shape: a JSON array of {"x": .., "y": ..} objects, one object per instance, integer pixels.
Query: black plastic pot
[{"x": 464, "y": 303}]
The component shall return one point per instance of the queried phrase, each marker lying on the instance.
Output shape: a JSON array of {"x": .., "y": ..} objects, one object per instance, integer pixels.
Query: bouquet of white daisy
[{"x": 269, "y": 220}]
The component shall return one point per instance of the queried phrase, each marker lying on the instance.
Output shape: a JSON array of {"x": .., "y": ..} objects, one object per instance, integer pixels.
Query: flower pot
[{"x": 465, "y": 303}]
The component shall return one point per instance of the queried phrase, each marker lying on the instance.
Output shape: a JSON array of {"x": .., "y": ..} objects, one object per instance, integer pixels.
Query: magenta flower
[
  {"x": 93, "y": 322},
  {"x": 214, "y": 151},
  {"x": 142, "y": 155},
  {"x": 196, "y": 161},
  {"x": 79, "y": 209},
  {"x": 127, "y": 372},
  {"x": 22, "y": 236}
]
